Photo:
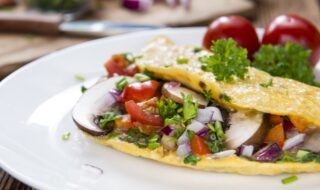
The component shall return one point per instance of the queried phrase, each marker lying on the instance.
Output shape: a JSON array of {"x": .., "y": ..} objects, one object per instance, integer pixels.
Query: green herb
[
  {"x": 191, "y": 159},
  {"x": 225, "y": 97},
  {"x": 191, "y": 134},
  {"x": 214, "y": 146},
  {"x": 227, "y": 62},
  {"x": 142, "y": 140},
  {"x": 148, "y": 73},
  {"x": 131, "y": 58},
  {"x": 288, "y": 61},
  {"x": 286, "y": 157},
  {"x": 219, "y": 130},
  {"x": 197, "y": 49},
  {"x": 56, "y": 5},
  {"x": 167, "y": 108},
  {"x": 176, "y": 119},
  {"x": 79, "y": 78},
  {"x": 83, "y": 89},
  {"x": 211, "y": 127},
  {"x": 190, "y": 109},
  {"x": 179, "y": 132},
  {"x": 289, "y": 179},
  {"x": 66, "y": 136},
  {"x": 141, "y": 77},
  {"x": 121, "y": 84},
  {"x": 181, "y": 60},
  {"x": 267, "y": 84},
  {"x": 302, "y": 156},
  {"x": 108, "y": 117},
  {"x": 208, "y": 95},
  {"x": 153, "y": 145}
]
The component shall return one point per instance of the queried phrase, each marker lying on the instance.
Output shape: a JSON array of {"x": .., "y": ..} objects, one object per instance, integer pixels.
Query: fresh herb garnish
[
  {"x": 267, "y": 84},
  {"x": 219, "y": 130},
  {"x": 191, "y": 134},
  {"x": 83, "y": 89},
  {"x": 149, "y": 73},
  {"x": 190, "y": 108},
  {"x": 302, "y": 156},
  {"x": 79, "y": 78},
  {"x": 225, "y": 97},
  {"x": 167, "y": 108},
  {"x": 288, "y": 61},
  {"x": 197, "y": 49},
  {"x": 121, "y": 84},
  {"x": 227, "y": 62},
  {"x": 108, "y": 117},
  {"x": 181, "y": 60},
  {"x": 191, "y": 159},
  {"x": 141, "y": 77},
  {"x": 142, "y": 140},
  {"x": 179, "y": 132},
  {"x": 216, "y": 137},
  {"x": 208, "y": 95},
  {"x": 289, "y": 179},
  {"x": 131, "y": 58},
  {"x": 66, "y": 136},
  {"x": 176, "y": 119}
]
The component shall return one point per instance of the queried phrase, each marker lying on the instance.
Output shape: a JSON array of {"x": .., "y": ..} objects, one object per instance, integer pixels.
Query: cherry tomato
[
  {"x": 292, "y": 28},
  {"x": 236, "y": 27},
  {"x": 119, "y": 65},
  {"x": 140, "y": 91},
  {"x": 198, "y": 146},
  {"x": 138, "y": 114}
]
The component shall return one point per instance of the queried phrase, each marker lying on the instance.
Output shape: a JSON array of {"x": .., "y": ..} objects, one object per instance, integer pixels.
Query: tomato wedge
[
  {"x": 276, "y": 135},
  {"x": 119, "y": 65},
  {"x": 124, "y": 123},
  {"x": 140, "y": 91},
  {"x": 198, "y": 146},
  {"x": 138, "y": 114}
]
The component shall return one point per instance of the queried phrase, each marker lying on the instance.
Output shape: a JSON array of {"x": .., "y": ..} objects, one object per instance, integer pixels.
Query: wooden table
[{"x": 265, "y": 11}]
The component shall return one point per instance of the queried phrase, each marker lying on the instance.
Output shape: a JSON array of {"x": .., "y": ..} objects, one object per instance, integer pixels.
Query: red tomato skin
[
  {"x": 140, "y": 91},
  {"x": 118, "y": 65},
  {"x": 198, "y": 146},
  {"x": 235, "y": 27},
  {"x": 293, "y": 28},
  {"x": 138, "y": 114}
]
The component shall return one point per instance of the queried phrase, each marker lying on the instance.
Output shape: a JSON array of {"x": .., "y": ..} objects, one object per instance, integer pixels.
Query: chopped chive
[
  {"x": 181, "y": 60},
  {"x": 197, "y": 49},
  {"x": 141, "y": 77},
  {"x": 219, "y": 130},
  {"x": 79, "y": 78},
  {"x": 267, "y": 84},
  {"x": 66, "y": 136},
  {"x": 153, "y": 145},
  {"x": 225, "y": 97},
  {"x": 83, "y": 89},
  {"x": 121, "y": 84},
  {"x": 289, "y": 179}
]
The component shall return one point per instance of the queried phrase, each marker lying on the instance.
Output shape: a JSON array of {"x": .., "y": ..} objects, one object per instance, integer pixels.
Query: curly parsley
[{"x": 227, "y": 62}]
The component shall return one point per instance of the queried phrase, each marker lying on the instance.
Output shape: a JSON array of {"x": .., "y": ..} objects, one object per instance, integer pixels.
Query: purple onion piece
[
  {"x": 115, "y": 94},
  {"x": 287, "y": 125},
  {"x": 137, "y": 5},
  {"x": 269, "y": 153},
  {"x": 293, "y": 141},
  {"x": 173, "y": 84},
  {"x": 203, "y": 132},
  {"x": 184, "y": 149},
  {"x": 166, "y": 130},
  {"x": 246, "y": 150}
]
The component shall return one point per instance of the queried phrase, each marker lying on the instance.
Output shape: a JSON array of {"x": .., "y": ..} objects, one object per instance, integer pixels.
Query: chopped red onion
[
  {"x": 168, "y": 142},
  {"x": 293, "y": 141},
  {"x": 184, "y": 149},
  {"x": 183, "y": 138},
  {"x": 287, "y": 125},
  {"x": 173, "y": 84},
  {"x": 115, "y": 94},
  {"x": 246, "y": 150},
  {"x": 203, "y": 132},
  {"x": 166, "y": 130},
  {"x": 137, "y": 5},
  {"x": 209, "y": 114},
  {"x": 196, "y": 126},
  {"x": 222, "y": 154},
  {"x": 269, "y": 153}
]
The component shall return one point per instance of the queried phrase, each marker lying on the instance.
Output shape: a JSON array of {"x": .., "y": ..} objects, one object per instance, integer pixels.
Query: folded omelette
[{"x": 171, "y": 111}]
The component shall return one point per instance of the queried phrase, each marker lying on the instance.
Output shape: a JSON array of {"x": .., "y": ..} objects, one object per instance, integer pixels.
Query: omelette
[{"x": 163, "y": 106}]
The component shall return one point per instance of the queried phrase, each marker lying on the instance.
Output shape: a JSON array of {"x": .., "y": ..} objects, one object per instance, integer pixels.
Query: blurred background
[{"x": 30, "y": 29}]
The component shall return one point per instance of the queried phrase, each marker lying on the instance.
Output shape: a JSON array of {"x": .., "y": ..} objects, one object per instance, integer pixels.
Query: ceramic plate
[{"x": 35, "y": 111}]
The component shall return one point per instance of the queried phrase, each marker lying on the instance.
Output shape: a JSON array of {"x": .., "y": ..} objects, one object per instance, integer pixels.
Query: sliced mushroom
[
  {"x": 245, "y": 128},
  {"x": 93, "y": 103},
  {"x": 175, "y": 93},
  {"x": 312, "y": 140}
]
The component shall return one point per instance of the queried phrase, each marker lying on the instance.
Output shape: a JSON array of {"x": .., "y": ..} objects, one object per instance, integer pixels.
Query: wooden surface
[{"x": 265, "y": 11}]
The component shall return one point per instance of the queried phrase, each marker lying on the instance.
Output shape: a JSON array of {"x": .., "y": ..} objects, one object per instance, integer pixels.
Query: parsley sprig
[{"x": 227, "y": 62}]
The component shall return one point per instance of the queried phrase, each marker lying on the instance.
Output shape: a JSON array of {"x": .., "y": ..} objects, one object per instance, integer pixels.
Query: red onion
[
  {"x": 209, "y": 114},
  {"x": 269, "y": 153},
  {"x": 293, "y": 141},
  {"x": 168, "y": 142},
  {"x": 173, "y": 85},
  {"x": 184, "y": 149},
  {"x": 203, "y": 132},
  {"x": 166, "y": 130},
  {"x": 137, "y": 5},
  {"x": 196, "y": 126},
  {"x": 183, "y": 138},
  {"x": 115, "y": 94},
  {"x": 287, "y": 125},
  {"x": 246, "y": 150},
  {"x": 222, "y": 154}
]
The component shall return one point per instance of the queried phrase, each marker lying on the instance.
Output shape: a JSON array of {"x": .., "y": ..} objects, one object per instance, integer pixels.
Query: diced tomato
[
  {"x": 119, "y": 65},
  {"x": 146, "y": 129},
  {"x": 140, "y": 91},
  {"x": 124, "y": 123},
  {"x": 276, "y": 135},
  {"x": 138, "y": 114},
  {"x": 275, "y": 119},
  {"x": 198, "y": 146},
  {"x": 299, "y": 123}
]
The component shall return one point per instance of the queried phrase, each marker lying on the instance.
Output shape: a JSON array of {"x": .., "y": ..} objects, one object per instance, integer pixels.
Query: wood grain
[{"x": 266, "y": 10}]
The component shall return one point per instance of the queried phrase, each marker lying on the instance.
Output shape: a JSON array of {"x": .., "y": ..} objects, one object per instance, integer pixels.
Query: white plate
[{"x": 35, "y": 106}]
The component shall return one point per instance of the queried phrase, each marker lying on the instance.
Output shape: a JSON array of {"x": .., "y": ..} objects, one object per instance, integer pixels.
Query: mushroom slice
[
  {"x": 312, "y": 140},
  {"x": 93, "y": 103},
  {"x": 175, "y": 93},
  {"x": 245, "y": 128}
]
